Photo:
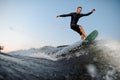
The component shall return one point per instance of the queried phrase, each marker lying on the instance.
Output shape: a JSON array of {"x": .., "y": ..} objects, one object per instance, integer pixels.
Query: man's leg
[{"x": 83, "y": 32}]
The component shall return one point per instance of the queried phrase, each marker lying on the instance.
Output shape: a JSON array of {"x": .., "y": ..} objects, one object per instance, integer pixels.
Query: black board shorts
[{"x": 76, "y": 28}]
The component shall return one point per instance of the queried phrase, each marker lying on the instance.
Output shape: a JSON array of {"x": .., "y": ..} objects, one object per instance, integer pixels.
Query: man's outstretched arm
[
  {"x": 64, "y": 15},
  {"x": 88, "y": 13}
]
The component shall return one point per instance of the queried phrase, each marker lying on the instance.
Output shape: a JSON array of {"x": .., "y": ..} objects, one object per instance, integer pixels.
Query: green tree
[{"x": 1, "y": 48}]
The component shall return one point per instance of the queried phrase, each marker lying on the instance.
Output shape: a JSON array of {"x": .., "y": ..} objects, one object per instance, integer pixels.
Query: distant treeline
[{"x": 1, "y": 48}]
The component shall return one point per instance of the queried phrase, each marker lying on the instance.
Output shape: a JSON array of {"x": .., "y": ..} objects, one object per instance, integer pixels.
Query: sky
[{"x": 28, "y": 24}]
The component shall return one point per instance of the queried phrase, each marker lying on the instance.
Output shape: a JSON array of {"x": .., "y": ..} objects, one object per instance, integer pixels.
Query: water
[{"x": 95, "y": 61}]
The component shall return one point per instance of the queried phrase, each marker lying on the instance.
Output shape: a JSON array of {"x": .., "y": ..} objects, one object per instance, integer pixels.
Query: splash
[
  {"x": 43, "y": 55},
  {"x": 110, "y": 51}
]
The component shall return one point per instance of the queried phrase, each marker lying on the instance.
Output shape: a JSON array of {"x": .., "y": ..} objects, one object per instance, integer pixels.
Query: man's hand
[
  {"x": 57, "y": 16},
  {"x": 93, "y": 10}
]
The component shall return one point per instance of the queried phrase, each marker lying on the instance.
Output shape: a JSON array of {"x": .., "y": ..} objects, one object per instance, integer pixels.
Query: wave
[
  {"x": 99, "y": 60},
  {"x": 110, "y": 50}
]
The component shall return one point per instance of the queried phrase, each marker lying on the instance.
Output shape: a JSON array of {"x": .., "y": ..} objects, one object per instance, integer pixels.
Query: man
[{"x": 75, "y": 16}]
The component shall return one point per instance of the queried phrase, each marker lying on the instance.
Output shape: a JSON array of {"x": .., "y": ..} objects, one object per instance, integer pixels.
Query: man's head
[{"x": 79, "y": 9}]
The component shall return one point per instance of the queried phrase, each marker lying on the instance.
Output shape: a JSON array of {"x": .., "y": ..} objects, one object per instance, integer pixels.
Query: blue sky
[{"x": 32, "y": 23}]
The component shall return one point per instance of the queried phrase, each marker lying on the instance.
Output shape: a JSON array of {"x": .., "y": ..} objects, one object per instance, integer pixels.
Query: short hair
[{"x": 79, "y": 7}]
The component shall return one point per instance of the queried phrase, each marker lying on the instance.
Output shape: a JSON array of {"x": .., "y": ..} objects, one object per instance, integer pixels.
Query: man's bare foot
[
  {"x": 82, "y": 37},
  {"x": 85, "y": 36}
]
